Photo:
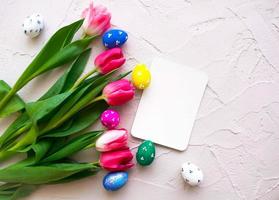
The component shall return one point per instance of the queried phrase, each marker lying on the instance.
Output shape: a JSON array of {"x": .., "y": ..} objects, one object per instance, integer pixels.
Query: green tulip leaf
[
  {"x": 57, "y": 51},
  {"x": 16, "y": 191},
  {"x": 43, "y": 174},
  {"x": 56, "y": 43},
  {"x": 64, "y": 83},
  {"x": 14, "y": 105},
  {"x": 36, "y": 111},
  {"x": 40, "y": 149},
  {"x": 39, "y": 109},
  {"x": 74, "y": 145},
  {"x": 78, "y": 100},
  {"x": 65, "y": 55},
  {"x": 68, "y": 79},
  {"x": 77, "y": 176},
  {"x": 23, "y": 191},
  {"x": 80, "y": 121},
  {"x": 19, "y": 126},
  {"x": 83, "y": 98},
  {"x": 9, "y": 186},
  {"x": 24, "y": 143}
]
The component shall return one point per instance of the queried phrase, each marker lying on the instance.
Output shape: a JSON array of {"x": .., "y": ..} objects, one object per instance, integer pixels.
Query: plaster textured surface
[{"x": 235, "y": 139}]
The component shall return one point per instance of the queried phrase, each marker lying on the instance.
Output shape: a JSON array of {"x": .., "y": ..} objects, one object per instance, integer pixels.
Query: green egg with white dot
[{"x": 146, "y": 153}]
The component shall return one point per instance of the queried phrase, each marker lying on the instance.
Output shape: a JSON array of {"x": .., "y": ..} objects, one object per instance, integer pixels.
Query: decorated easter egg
[
  {"x": 115, "y": 180},
  {"x": 191, "y": 174},
  {"x": 146, "y": 153},
  {"x": 141, "y": 76},
  {"x": 114, "y": 38},
  {"x": 110, "y": 118},
  {"x": 33, "y": 25}
]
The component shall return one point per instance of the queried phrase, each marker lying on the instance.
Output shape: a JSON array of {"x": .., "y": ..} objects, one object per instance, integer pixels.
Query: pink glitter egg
[{"x": 110, "y": 118}]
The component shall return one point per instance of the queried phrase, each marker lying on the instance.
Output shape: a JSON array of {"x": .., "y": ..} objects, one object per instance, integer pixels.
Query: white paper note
[{"x": 168, "y": 107}]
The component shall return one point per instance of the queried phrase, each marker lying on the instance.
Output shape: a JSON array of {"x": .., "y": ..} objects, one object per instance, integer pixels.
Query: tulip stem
[
  {"x": 67, "y": 116},
  {"x": 7, "y": 98},
  {"x": 96, "y": 99},
  {"x": 97, "y": 163},
  {"x": 90, "y": 146},
  {"x": 4, "y": 155},
  {"x": 132, "y": 148},
  {"x": 84, "y": 35},
  {"x": 83, "y": 78}
]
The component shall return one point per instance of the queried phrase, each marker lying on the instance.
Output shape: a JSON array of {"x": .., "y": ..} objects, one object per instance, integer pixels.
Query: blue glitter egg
[
  {"x": 114, "y": 38},
  {"x": 115, "y": 180}
]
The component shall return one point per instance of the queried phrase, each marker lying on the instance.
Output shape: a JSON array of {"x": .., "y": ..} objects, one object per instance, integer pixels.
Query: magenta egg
[{"x": 110, "y": 118}]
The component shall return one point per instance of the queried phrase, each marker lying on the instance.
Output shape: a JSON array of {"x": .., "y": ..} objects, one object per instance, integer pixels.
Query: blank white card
[{"x": 168, "y": 107}]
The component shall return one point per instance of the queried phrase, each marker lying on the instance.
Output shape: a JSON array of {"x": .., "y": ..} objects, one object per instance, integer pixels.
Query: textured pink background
[{"x": 235, "y": 138}]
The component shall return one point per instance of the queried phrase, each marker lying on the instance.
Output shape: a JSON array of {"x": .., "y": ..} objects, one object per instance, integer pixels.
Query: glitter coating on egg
[
  {"x": 115, "y": 180},
  {"x": 110, "y": 118}
]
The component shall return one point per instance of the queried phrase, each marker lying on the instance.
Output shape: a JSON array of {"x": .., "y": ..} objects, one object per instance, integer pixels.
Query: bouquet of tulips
[{"x": 48, "y": 131}]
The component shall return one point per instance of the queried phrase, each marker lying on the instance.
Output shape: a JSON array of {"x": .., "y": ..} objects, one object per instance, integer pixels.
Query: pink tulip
[
  {"x": 109, "y": 60},
  {"x": 112, "y": 140},
  {"x": 119, "y": 92},
  {"x": 96, "y": 20},
  {"x": 117, "y": 160}
]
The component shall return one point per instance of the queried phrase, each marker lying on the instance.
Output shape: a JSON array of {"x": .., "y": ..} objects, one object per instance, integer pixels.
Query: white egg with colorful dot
[
  {"x": 191, "y": 174},
  {"x": 33, "y": 25}
]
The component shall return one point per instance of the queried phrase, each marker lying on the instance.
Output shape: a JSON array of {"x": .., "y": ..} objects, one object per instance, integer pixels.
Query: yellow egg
[{"x": 141, "y": 76}]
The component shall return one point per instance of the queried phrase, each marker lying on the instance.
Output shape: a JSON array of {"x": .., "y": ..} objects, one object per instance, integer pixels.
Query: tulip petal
[
  {"x": 120, "y": 97},
  {"x": 108, "y": 55},
  {"x": 119, "y": 92},
  {"x": 96, "y": 20},
  {"x": 112, "y": 65},
  {"x": 109, "y": 60},
  {"x": 117, "y": 160},
  {"x": 112, "y": 140}
]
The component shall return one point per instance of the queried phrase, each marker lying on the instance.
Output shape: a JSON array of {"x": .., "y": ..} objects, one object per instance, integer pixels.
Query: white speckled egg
[
  {"x": 191, "y": 174},
  {"x": 33, "y": 25}
]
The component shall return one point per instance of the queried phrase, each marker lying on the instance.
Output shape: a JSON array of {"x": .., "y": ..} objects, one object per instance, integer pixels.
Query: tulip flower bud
[
  {"x": 116, "y": 160},
  {"x": 96, "y": 20},
  {"x": 112, "y": 140},
  {"x": 119, "y": 92},
  {"x": 109, "y": 60}
]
